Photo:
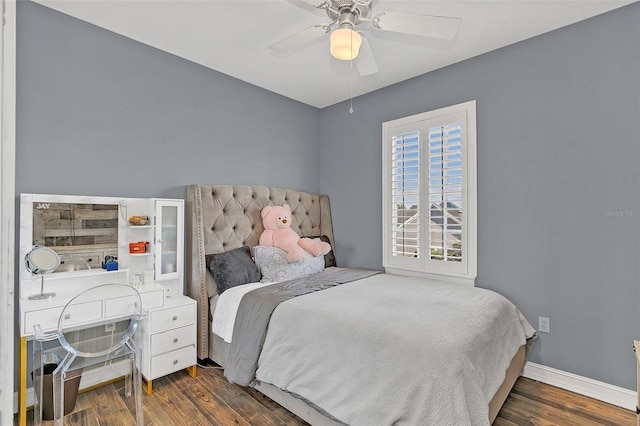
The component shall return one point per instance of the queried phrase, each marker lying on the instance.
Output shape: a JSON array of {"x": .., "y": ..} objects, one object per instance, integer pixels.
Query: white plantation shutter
[
  {"x": 429, "y": 194},
  {"x": 445, "y": 192},
  {"x": 405, "y": 194}
]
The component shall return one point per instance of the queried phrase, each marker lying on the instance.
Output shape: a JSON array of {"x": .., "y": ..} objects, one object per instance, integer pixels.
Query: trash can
[{"x": 71, "y": 386}]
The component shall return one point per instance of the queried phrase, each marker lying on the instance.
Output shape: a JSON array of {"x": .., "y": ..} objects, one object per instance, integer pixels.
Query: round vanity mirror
[{"x": 40, "y": 261}]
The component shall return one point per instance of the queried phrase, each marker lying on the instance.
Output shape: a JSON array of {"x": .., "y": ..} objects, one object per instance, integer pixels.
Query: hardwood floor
[
  {"x": 535, "y": 403},
  {"x": 209, "y": 399}
]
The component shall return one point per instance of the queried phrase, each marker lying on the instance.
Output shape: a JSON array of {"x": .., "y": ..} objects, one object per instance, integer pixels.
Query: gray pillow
[
  {"x": 233, "y": 268},
  {"x": 274, "y": 266}
]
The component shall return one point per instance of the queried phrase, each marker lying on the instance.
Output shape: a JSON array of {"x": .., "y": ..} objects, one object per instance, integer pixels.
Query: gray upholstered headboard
[{"x": 225, "y": 217}]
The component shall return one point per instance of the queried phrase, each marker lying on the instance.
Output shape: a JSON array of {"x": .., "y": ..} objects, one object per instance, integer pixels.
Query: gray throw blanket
[{"x": 255, "y": 311}]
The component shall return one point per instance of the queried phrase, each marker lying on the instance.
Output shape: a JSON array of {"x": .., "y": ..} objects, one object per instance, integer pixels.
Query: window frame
[{"x": 461, "y": 272}]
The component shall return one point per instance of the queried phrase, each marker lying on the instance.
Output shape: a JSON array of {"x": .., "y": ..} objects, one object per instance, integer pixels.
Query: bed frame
[{"x": 225, "y": 217}]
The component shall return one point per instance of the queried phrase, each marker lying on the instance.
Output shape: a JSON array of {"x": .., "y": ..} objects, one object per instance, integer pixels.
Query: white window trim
[{"x": 422, "y": 268}]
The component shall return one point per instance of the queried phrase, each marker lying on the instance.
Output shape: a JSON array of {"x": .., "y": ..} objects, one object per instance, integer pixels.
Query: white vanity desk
[
  {"x": 66, "y": 286},
  {"x": 91, "y": 228}
]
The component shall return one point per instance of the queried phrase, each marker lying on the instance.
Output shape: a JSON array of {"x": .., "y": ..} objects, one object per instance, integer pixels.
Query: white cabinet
[
  {"x": 167, "y": 339},
  {"x": 162, "y": 257},
  {"x": 169, "y": 238}
]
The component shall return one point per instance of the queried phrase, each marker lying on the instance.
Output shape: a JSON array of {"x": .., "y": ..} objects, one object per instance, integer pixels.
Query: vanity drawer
[
  {"x": 164, "y": 364},
  {"x": 123, "y": 305},
  {"x": 173, "y": 339},
  {"x": 152, "y": 299},
  {"x": 119, "y": 306},
  {"x": 175, "y": 317},
  {"x": 79, "y": 314},
  {"x": 47, "y": 318}
]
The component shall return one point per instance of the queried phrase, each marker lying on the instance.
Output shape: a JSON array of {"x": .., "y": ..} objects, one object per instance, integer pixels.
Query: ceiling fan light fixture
[{"x": 345, "y": 44}]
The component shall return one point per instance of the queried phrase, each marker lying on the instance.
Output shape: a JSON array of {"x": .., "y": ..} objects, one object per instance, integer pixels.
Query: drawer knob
[
  {"x": 175, "y": 317},
  {"x": 67, "y": 316},
  {"x": 175, "y": 361},
  {"x": 175, "y": 340}
]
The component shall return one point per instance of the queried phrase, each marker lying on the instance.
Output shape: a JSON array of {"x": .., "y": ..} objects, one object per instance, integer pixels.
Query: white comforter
[{"x": 389, "y": 350}]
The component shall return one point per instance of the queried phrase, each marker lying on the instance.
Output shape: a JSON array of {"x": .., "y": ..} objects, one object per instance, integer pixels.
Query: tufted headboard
[{"x": 225, "y": 217}]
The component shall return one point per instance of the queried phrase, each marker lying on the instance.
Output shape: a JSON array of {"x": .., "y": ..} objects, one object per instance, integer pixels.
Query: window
[{"x": 429, "y": 194}]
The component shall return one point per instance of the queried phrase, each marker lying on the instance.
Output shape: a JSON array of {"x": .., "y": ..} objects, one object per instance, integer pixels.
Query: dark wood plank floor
[{"x": 209, "y": 399}]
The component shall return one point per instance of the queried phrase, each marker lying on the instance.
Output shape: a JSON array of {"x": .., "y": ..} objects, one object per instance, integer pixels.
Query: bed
[{"x": 337, "y": 356}]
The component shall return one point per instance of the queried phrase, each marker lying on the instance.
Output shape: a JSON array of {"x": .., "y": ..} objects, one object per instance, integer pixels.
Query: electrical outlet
[
  {"x": 543, "y": 325},
  {"x": 110, "y": 327}
]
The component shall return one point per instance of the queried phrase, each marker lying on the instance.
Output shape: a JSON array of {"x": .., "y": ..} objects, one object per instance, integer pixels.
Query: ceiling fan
[{"x": 348, "y": 41}]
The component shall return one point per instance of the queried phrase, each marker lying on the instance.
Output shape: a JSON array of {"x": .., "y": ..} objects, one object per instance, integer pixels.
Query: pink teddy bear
[{"x": 278, "y": 233}]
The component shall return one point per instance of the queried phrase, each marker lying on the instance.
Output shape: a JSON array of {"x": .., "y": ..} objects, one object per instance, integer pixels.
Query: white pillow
[{"x": 274, "y": 266}]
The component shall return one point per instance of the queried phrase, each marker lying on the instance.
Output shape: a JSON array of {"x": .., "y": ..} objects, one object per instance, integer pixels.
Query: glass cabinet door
[{"x": 169, "y": 239}]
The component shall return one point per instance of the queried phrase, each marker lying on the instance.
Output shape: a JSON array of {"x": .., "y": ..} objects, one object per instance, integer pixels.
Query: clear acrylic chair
[{"x": 95, "y": 329}]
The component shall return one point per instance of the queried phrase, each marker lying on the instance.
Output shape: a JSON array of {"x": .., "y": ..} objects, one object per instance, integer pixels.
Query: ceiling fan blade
[
  {"x": 300, "y": 39},
  {"x": 442, "y": 27},
  {"x": 365, "y": 62},
  {"x": 309, "y": 5}
]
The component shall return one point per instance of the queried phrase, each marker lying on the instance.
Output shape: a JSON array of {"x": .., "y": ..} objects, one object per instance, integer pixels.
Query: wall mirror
[
  {"x": 81, "y": 234},
  {"x": 81, "y": 230}
]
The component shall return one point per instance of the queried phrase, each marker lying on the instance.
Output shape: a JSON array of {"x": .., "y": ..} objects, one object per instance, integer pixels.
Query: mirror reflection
[{"x": 81, "y": 234}]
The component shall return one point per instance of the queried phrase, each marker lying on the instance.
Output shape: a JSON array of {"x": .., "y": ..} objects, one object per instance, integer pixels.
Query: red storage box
[{"x": 139, "y": 247}]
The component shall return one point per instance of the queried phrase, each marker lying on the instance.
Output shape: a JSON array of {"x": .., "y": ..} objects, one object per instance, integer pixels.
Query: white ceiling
[{"x": 233, "y": 37}]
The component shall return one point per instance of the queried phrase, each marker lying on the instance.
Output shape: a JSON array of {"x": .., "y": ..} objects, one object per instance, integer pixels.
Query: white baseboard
[
  {"x": 605, "y": 392},
  {"x": 89, "y": 379}
]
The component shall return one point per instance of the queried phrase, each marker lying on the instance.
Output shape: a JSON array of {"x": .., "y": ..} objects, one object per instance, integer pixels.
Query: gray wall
[
  {"x": 100, "y": 114},
  {"x": 557, "y": 147}
]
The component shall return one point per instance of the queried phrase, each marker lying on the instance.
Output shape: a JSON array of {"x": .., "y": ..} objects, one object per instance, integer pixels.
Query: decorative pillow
[
  {"x": 232, "y": 268},
  {"x": 329, "y": 258},
  {"x": 274, "y": 266}
]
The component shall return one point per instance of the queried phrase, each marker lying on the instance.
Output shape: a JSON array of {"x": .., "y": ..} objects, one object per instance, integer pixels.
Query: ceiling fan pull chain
[
  {"x": 351, "y": 90},
  {"x": 351, "y": 80}
]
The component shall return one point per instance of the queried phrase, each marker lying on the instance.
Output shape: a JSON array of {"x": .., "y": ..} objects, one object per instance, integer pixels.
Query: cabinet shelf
[
  {"x": 140, "y": 254},
  {"x": 141, "y": 226}
]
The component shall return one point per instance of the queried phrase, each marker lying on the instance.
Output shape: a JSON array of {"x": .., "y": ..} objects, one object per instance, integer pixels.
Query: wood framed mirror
[{"x": 83, "y": 231}]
